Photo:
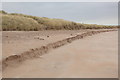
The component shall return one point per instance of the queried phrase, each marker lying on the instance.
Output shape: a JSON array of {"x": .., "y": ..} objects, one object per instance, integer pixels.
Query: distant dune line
[
  {"x": 22, "y": 22},
  {"x": 37, "y": 52}
]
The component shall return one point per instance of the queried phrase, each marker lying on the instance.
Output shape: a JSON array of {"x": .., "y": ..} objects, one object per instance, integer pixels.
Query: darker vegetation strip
[{"x": 22, "y": 22}]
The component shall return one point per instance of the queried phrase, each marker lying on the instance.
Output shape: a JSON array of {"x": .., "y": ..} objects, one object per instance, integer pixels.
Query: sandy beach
[
  {"x": 16, "y": 42},
  {"x": 92, "y": 57},
  {"x": 59, "y": 39}
]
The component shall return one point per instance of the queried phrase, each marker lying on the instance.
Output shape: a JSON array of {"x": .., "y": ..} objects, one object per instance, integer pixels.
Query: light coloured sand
[
  {"x": 16, "y": 42},
  {"x": 92, "y": 57}
]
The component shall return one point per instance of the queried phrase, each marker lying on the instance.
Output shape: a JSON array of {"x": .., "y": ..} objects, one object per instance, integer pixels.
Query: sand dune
[{"x": 94, "y": 56}]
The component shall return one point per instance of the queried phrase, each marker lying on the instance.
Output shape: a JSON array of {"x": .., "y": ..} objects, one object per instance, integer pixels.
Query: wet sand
[{"x": 92, "y": 57}]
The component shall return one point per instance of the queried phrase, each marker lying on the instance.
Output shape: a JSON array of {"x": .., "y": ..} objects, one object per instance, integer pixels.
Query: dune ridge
[
  {"x": 37, "y": 52},
  {"x": 22, "y": 22}
]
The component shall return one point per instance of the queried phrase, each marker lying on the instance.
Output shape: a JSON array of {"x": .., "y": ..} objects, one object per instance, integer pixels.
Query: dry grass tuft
[{"x": 21, "y": 22}]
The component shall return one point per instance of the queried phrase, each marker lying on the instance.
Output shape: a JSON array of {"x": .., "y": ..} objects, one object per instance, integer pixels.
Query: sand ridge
[
  {"x": 33, "y": 53},
  {"x": 91, "y": 57}
]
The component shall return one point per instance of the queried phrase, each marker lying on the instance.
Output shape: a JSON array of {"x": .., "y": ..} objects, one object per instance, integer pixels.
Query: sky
[{"x": 103, "y": 13}]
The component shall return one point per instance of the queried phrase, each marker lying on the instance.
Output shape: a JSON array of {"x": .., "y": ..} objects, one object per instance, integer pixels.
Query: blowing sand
[{"x": 91, "y": 57}]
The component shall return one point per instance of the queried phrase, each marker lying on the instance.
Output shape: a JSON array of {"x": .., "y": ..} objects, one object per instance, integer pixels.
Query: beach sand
[{"x": 92, "y": 57}]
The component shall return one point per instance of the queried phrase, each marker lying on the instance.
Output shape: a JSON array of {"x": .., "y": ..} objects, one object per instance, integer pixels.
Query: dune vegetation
[{"x": 21, "y": 22}]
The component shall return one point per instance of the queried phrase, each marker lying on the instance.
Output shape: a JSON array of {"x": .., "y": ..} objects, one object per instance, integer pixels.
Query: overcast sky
[{"x": 105, "y": 13}]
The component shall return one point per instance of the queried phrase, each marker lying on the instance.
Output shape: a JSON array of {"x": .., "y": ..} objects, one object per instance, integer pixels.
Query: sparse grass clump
[{"x": 21, "y": 22}]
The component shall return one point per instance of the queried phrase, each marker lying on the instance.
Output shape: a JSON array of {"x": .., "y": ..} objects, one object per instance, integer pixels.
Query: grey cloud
[{"x": 87, "y": 12}]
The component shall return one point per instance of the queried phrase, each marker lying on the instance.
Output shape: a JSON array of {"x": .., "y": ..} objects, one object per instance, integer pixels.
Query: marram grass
[{"x": 21, "y": 22}]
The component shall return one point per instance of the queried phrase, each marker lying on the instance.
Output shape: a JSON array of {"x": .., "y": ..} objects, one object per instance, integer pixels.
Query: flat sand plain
[{"x": 92, "y": 57}]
